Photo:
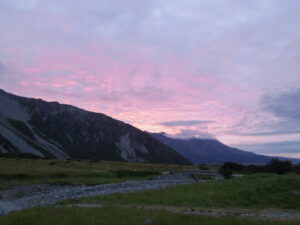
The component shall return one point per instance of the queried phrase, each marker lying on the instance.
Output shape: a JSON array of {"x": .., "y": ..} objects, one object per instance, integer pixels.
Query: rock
[
  {"x": 166, "y": 173},
  {"x": 219, "y": 178},
  {"x": 148, "y": 221}
]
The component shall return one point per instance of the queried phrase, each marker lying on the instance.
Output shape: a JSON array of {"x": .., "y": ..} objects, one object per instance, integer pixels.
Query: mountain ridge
[
  {"x": 53, "y": 130},
  {"x": 212, "y": 151}
]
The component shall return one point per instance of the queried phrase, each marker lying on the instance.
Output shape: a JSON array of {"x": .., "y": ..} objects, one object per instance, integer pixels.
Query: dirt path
[
  {"x": 216, "y": 212},
  {"x": 269, "y": 213},
  {"x": 30, "y": 196}
]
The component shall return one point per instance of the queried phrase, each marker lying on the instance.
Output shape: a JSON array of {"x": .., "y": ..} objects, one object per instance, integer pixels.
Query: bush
[
  {"x": 233, "y": 166},
  {"x": 297, "y": 168},
  {"x": 279, "y": 166},
  {"x": 226, "y": 172},
  {"x": 274, "y": 166},
  {"x": 256, "y": 169}
]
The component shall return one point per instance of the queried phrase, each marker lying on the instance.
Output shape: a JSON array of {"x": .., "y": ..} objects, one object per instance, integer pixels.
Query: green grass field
[
  {"x": 14, "y": 171},
  {"x": 257, "y": 191},
  {"x": 121, "y": 216},
  {"x": 251, "y": 192}
]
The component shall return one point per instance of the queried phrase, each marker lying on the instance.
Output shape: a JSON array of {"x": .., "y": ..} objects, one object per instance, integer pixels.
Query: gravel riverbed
[{"x": 44, "y": 194}]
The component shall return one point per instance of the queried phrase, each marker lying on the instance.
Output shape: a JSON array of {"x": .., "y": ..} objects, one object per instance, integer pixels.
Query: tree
[
  {"x": 280, "y": 166},
  {"x": 226, "y": 172},
  {"x": 297, "y": 168},
  {"x": 227, "y": 169},
  {"x": 233, "y": 166}
]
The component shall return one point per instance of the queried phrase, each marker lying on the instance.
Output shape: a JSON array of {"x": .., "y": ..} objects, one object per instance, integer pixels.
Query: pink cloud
[{"x": 151, "y": 62}]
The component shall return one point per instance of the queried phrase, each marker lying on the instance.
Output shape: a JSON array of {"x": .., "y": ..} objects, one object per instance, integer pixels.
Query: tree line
[{"x": 274, "y": 166}]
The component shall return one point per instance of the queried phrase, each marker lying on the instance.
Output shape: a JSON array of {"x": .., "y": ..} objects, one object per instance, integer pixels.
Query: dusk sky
[{"x": 224, "y": 69}]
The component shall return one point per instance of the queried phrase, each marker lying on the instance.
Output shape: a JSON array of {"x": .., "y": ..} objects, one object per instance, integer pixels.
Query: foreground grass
[
  {"x": 14, "y": 171},
  {"x": 257, "y": 191},
  {"x": 121, "y": 216}
]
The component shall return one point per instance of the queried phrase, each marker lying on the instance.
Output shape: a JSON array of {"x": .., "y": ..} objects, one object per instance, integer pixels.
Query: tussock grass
[
  {"x": 15, "y": 171},
  {"x": 257, "y": 191},
  {"x": 121, "y": 216}
]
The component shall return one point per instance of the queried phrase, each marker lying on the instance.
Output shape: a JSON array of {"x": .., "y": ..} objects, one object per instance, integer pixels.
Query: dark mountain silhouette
[
  {"x": 53, "y": 130},
  {"x": 209, "y": 151}
]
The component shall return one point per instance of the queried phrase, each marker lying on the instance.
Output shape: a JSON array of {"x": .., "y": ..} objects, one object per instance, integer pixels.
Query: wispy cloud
[
  {"x": 286, "y": 148},
  {"x": 160, "y": 60},
  {"x": 178, "y": 123},
  {"x": 284, "y": 105},
  {"x": 2, "y": 69},
  {"x": 192, "y": 133}
]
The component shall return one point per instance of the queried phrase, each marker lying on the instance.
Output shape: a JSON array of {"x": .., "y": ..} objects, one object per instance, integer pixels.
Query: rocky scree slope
[{"x": 53, "y": 130}]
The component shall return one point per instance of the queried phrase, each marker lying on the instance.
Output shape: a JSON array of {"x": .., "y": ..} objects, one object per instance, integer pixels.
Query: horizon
[
  {"x": 161, "y": 133},
  {"x": 227, "y": 70}
]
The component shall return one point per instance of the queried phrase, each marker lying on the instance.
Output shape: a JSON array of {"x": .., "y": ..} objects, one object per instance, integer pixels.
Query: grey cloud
[
  {"x": 285, "y": 108},
  {"x": 273, "y": 144},
  {"x": 105, "y": 96},
  {"x": 272, "y": 147},
  {"x": 190, "y": 133},
  {"x": 285, "y": 105},
  {"x": 148, "y": 92},
  {"x": 270, "y": 133},
  {"x": 186, "y": 123},
  {"x": 2, "y": 69},
  {"x": 281, "y": 127},
  {"x": 246, "y": 45},
  {"x": 110, "y": 97}
]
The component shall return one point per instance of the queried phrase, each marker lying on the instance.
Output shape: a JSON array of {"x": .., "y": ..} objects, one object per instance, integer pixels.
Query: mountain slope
[
  {"x": 53, "y": 130},
  {"x": 209, "y": 151}
]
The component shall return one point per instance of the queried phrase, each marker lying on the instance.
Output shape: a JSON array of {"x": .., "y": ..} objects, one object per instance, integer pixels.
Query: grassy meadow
[
  {"x": 122, "y": 216},
  {"x": 16, "y": 171},
  {"x": 256, "y": 191}
]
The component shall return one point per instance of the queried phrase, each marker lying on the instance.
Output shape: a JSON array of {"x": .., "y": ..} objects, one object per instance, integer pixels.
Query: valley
[
  {"x": 34, "y": 189},
  {"x": 57, "y": 158},
  {"x": 152, "y": 112}
]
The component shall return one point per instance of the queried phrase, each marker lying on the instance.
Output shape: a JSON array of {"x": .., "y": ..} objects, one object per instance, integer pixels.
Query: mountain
[
  {"x": 209, "y": 151},
  {"x": 53, "y": 130}
]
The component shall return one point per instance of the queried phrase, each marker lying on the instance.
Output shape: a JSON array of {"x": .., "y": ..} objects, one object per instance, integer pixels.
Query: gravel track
[
  {"x": 41, "y": 195},
  {"x": 216, "y": 212}
]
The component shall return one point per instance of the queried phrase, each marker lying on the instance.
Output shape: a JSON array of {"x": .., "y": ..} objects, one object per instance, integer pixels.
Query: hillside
[{"x": 53, "y": 130}]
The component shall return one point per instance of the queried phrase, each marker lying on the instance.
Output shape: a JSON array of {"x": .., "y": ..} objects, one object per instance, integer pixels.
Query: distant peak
[
  {"x": 202, "y": 138},
  {"x": 158, "y": 133}
]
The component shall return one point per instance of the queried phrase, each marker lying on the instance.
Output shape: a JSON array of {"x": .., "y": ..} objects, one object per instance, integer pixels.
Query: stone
[
  {"x": 166, "y": 173},
  {"x": 148, "y": 221}
]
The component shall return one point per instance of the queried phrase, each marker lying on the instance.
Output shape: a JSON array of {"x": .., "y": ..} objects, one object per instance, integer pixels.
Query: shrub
[
  {"x": 226, "y": 172},
  {"x": 233, "y": 166},
  {"x": 297, "y": 168},
  {"x": 256, "y": 169},
  {"x": 279, "y": 166}
]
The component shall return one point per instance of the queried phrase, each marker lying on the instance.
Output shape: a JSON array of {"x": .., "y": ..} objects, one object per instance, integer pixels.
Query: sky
[{"x": 223, "y": 69}]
